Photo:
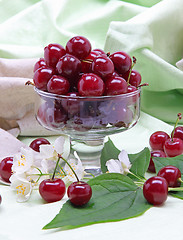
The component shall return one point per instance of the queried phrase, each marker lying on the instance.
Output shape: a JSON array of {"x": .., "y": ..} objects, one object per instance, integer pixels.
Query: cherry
[
  {"x": 40, "y": 63},
  {"x": 58, "y": 85},
  {"x": 98, "y": 51},
  {"x": 37, "y": 142},
  {"x": 172, "y": 175},
  {"x": 178, "y": 133},
  {"x": 122, "y": 61},
  {"x": 131, "y": 89},
  {"x": 71, "y": 104},
  {"x": 52, "y": 53},
  {"x": 155, "y": 190},
  {"x": 52, "y": 190},
  {"x": 135, "y": 77},
  {"x": 90, "y": 85},
  {"x": 69, "y": 66},
  {"x": 157, "y": 140},
  {"x": 42, "y": 76},
  {"x": 155, "y": 153},
  {"x": 56, "y": 116},
  {"x": 103, "y": 66},
  {"x": 78, "y": 46},
  {"x": 79, "y": 193},
  {"x": 115, "y": 86},
  {"x": 5, "y": 168},
  {"x": 87, "y": 62},
  {"x": 173, "y": 147}
]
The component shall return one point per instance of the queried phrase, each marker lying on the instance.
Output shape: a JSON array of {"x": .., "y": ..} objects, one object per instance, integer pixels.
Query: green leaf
[
  {"x": 174, "y": 161},
  {"x": 109, "y": 151},
  {"x": 140, "y": 162},
  {"x": 115, "y": 197}
]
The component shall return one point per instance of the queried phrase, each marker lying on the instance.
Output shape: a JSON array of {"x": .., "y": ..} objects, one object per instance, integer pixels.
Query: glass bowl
[{"x": 87, "y": 120}]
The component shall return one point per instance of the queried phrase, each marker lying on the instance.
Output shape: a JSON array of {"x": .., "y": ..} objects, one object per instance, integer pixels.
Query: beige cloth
[{"x": 17, "y": 99}]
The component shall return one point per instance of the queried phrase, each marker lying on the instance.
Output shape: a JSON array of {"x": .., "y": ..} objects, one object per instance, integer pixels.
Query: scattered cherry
[
  {"x": 135, "y": 77},
  {"x": 79, "y": 193},
  {"x": 52, "y": 190},
  {"x": 155, "y": 190},
  {"x": 5, "y": 168},
  {"x": 155, "y": 153},
  {"x": 173, "y": 147},
  {"x": 172, "y": 175},
  {"x": 35, "y": 144},
  {"x": 157, "y": 140},
  {"x": 178, "y": 133}
]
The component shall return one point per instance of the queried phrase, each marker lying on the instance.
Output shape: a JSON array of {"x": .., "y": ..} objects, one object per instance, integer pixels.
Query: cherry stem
[
  {"x": 179, "y": 180},
  {"x": 59, "y": 156},
  {"x": 69, "y": 166},
  {"x": 133, "y": 64},
  {"x": 143, "y": 85},
  {"x": 29, "y": 83},
  {"x": 141, "y": 180},
  {"x": 175, "y": 189},
  {"x": 179, "y": 116}
]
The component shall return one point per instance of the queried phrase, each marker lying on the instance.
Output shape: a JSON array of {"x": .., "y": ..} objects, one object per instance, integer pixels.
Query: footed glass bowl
[{"x": 88, "y": 120}]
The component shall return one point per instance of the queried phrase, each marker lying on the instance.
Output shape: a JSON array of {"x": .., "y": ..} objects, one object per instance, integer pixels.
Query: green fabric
[
  {"x": 150, "y": 30},
  {"x": 155, "y": 38}
]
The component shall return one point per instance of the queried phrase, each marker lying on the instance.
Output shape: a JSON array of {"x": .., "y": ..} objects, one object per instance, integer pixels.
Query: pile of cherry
[
  {"x": 86, "y": 72},
  {"x": 156, "y": 188},
  {"x": 77, "y": 70}
]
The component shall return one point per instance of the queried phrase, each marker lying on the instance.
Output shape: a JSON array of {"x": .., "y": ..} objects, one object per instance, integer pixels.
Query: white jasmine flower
[
  {"x": 23, "y": 161},
  {"x": 77, "y": 166},
  {"x": 22, "y": 186},
  {"x": 121, "y": 165}
]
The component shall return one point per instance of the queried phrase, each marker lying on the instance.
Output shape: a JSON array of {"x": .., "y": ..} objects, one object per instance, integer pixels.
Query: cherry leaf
[
  {"x": 109, "y": 151},
  {"x": 115, "y": 197}
]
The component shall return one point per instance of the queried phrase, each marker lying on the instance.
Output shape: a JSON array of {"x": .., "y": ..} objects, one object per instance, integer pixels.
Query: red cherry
[
  {"x": 78, "y": 46},
  {"x": 52, "y": 53},
  {"x": 103, "y": 66},
  {"x": 79, "y": 193},
  {"x": 5, "y": 168},
  {"x": 115, "y": 86},
  {"x": 58, "y": 85},
  {"x": 172, "y": 175},
  {"x": 87, "y": 62},
  {"x": 178, "y": 133},
  {"x": 98, "y": 51},
  {"x": 71, "y": 104},
  {"x": 131, "y": 88},
  {"x": 155, "y": 190},
  {"x": 155, "y": 153},
  {"x": 157, "y": 140},
  {"x": 69, "y": 66},
  {"x": 40, "y": 63},
  {"x": 56, "y": 116},
  {"x": 122, "y": 61},
  {"x": 52, "y": 190},
  {"x": 90, "y": 85},
  {"x": 135, "y": 77},
  {"x": 173, "y": 147},
  {"x": 37, "y": 142},
  {"x": 42, "y": 76}
]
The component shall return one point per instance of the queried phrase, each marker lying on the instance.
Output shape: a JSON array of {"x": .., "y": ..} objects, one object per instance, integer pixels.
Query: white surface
[{"x": 24, "y": 221}]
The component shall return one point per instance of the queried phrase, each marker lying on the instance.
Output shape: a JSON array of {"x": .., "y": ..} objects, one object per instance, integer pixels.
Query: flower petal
[
  {"x": 114, "y": 166},
  {"x": 124, "y": 159}
]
